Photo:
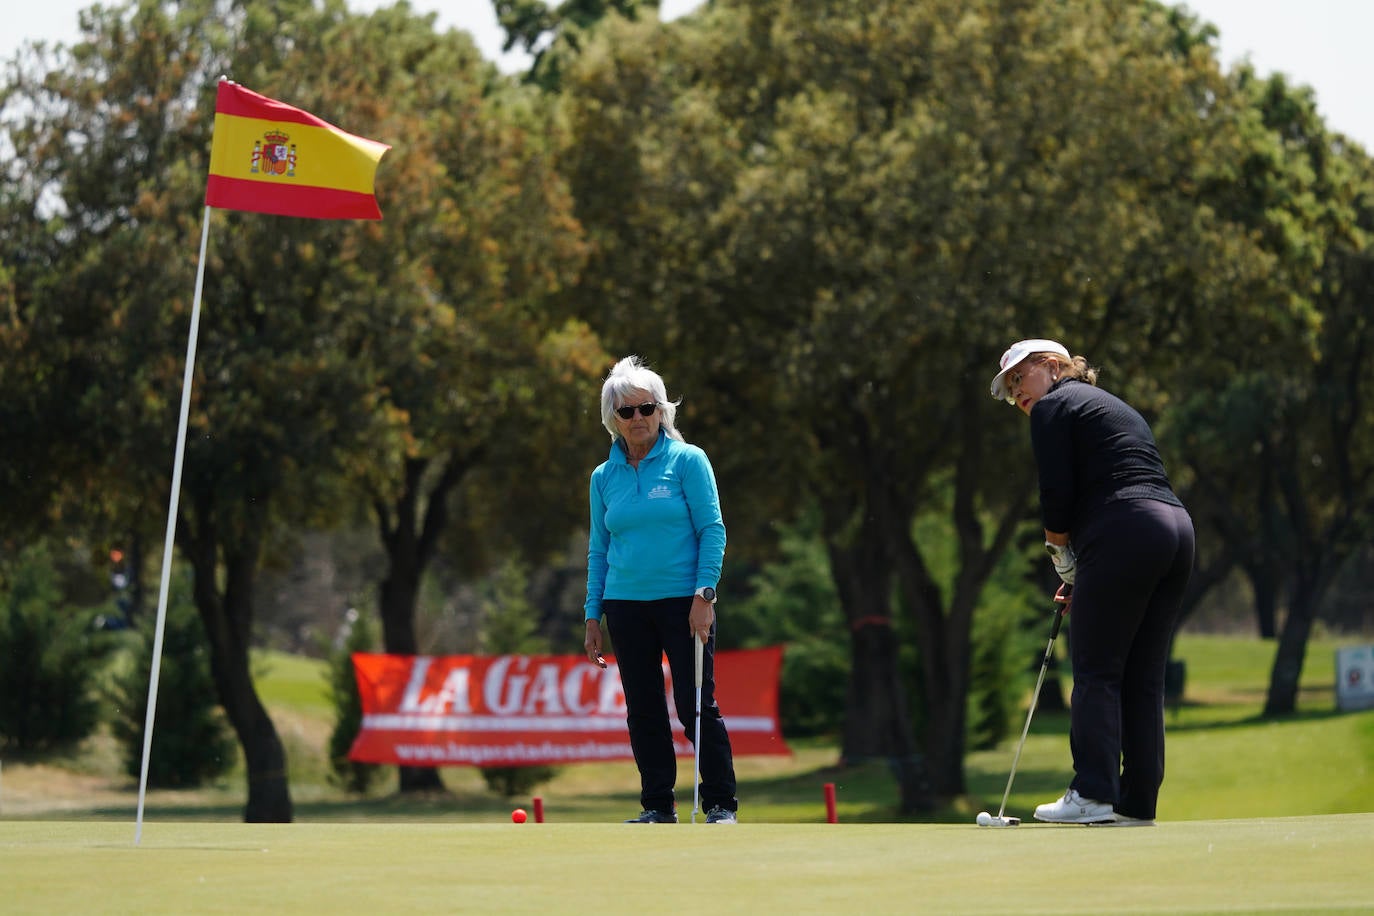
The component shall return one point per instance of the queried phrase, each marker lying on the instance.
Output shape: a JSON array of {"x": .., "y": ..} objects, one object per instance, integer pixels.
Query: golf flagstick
[{"x": 699, "y": 650}]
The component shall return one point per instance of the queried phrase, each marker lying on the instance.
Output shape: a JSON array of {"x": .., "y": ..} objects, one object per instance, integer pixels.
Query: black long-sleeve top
[{"x": 1092, "y": 448}]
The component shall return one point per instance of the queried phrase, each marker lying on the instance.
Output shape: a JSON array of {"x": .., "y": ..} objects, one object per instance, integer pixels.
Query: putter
[
  {"x": 1063, "y": 597},
  {"x": 699, "y": 649}
]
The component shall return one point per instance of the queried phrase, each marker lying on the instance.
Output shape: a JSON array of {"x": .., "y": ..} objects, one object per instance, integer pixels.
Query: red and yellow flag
[{"x": 268, "y": 157}]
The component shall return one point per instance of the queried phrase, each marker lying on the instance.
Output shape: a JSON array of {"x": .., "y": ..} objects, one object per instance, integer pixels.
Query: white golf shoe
[{"x": 1075, "y": 809}]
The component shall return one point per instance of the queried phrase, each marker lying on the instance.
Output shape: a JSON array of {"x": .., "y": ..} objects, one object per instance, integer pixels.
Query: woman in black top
[{"x": 1119, "y": 535}]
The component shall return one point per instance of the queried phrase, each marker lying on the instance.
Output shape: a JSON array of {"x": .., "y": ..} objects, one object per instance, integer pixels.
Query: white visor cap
[{"x": 1012, "y": 358}]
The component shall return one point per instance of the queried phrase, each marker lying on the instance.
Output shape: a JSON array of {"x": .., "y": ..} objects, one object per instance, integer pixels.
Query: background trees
[
  {"x": 394, "y": 357},
  {"x": 841, "y": 212},
  {"x": 822, "y": 221},
  {"x": 50, "y": 659}
]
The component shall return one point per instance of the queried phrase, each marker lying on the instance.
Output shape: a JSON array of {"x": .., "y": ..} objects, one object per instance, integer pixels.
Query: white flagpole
[{"x": 171, "y": 525}]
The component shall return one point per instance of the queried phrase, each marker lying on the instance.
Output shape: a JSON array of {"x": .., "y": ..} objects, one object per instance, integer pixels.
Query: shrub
[
  {"x": 1009, "y": 629},
  {"x": 510, "y": 626},
  {"x": 793, "y": 602},
  {"x": 360, "y": 636},
  {"x": 50, "y": 657},
  {"x": 192, "y": 742}
]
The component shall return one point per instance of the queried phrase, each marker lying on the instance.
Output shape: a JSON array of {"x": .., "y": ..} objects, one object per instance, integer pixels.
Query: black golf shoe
[
  {"x": 654, "y": 816},
  {"x": 719, "y": 815}
]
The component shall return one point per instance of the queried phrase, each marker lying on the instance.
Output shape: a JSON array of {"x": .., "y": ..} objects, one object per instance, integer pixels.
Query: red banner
[{"x": 526, "y": 710}]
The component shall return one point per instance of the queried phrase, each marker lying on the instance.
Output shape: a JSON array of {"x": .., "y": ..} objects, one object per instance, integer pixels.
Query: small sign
[{"x": 1355, "y": 678}]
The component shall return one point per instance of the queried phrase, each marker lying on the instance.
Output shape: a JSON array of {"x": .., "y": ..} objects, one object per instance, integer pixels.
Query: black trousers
[
  {"x": 1134, "y": 561},
  {"x": 642, "y": 632}
]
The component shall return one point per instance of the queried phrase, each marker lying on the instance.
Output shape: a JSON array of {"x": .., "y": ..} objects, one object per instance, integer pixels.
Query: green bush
[
  {"x": 348, "y": 707},
  {"x": 50, "y": 657},
  {"x": 992, "y": 692},
  {"x": 815, "y": 678},
  {"x": 510, "y": 626},
  {"x": 192, "y": 742},
  {"x": 793, "y": 602}
]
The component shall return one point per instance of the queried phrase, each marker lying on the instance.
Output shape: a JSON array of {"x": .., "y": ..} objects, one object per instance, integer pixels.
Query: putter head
[{"x": 996, "y": 820}]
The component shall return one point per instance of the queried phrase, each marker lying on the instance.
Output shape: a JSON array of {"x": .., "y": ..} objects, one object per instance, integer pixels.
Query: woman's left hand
[
  {"x": 592, "y": 643},
  {"x": 1064, "y": 559},
  {"x": 701, "y": 618}
]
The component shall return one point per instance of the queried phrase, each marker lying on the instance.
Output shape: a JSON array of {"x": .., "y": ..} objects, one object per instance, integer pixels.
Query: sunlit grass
[{"x": 1223, "y": 761}]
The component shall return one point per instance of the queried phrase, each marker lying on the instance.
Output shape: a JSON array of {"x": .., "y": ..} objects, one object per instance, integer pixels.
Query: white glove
[{"x": 1064, "y": 559}]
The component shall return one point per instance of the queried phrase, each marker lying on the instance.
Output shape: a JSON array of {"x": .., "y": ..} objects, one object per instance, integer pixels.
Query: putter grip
[{"x": 699, "y": 650}]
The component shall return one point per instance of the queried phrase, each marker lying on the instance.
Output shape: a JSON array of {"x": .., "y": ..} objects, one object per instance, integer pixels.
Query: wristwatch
[{"x": 708, "y": 593}]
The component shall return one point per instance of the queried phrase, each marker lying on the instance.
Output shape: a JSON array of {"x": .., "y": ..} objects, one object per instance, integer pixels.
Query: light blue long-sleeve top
[{"x": 656, "y": 531}]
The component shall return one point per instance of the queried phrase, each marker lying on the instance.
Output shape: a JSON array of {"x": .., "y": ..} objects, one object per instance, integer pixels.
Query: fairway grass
[
  {"x": 1293, "y": 865},
  {"x": 1224, "y": 761}
]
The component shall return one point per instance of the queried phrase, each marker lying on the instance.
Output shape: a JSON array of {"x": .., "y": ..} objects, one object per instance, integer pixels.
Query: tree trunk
[
  {"x": 410, "y": 545},
  {"x": 228, "y": 623},
  {"x": 944, "y": 634},
  {"x": 399, "y": 593},
  {"x": 877, "y": 720},
  {"x": 1264, "y": 581},
  {"x": 945, "y": 663},
  {"x": 1288, "y": 660},
  {"x": 396, "y": 603}
]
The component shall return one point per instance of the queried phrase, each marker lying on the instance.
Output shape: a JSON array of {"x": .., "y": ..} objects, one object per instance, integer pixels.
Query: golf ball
[
  {"x": 984, "y": 819},
  {"x": 518, "y": 815}
]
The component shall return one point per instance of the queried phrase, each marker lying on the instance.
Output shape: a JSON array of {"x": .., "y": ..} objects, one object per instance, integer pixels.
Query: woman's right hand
[{"x": 592, "y": 643}]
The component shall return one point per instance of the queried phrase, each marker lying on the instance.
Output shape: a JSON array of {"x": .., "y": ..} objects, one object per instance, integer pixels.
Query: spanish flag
[{"x": 268, "y": 157}]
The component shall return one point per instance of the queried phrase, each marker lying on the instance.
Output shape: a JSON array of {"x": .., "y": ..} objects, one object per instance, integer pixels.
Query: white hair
[{"x": 631, "y": 374}]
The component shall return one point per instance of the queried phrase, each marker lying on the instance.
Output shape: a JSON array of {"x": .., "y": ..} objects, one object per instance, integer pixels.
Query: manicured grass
[{"x": 1292, "y": 865}]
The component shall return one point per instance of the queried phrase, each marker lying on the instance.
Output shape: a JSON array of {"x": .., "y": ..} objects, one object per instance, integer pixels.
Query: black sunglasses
[{"x": 645, "y": 410}]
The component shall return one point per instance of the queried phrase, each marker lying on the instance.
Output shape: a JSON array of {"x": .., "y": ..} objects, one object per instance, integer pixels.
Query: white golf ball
[{"x": 984, "y": 819}]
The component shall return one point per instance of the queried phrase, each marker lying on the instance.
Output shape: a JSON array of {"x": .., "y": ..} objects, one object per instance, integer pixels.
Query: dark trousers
[
  {"x": 1134, "y": 560},
  {"x": 642, "y": 632}
]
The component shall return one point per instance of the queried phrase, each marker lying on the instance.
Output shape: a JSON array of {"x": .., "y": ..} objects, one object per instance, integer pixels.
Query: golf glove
[{"x": 1064, "y": 559}]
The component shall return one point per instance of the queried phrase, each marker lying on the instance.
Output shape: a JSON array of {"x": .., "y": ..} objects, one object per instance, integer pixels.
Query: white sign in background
[{"x": 1355, "y": 678}]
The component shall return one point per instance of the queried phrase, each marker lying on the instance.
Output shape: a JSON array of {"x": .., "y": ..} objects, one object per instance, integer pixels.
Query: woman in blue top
[
  {"x": 1117, "y": 533},
  {"x": 653, "y": 562}
]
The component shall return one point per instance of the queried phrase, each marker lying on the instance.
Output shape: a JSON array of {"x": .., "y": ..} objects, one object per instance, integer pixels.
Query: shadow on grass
[
  {"x": 427, "y": 806},
  {"x": 1250, "y": 720}
]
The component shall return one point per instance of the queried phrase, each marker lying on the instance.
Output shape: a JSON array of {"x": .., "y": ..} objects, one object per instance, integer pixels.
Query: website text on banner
[{"x": 527, "y": 710}]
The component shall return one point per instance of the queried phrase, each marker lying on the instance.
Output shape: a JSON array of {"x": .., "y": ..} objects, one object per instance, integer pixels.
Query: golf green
[{"x": 1274, "y": 865}]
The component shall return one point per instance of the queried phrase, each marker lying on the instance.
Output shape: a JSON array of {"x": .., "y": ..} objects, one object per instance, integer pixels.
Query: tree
[
  {"x": 840, "y": 213},
  {"x": 1279, "y": 449},
  {"x": 111, "y": 150},
  {"x": 478, "y": 378},
  {"x": 554, "y": 36},
  {"x": 109, "y": 165},
  {"x": 395, "y": 359}
]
